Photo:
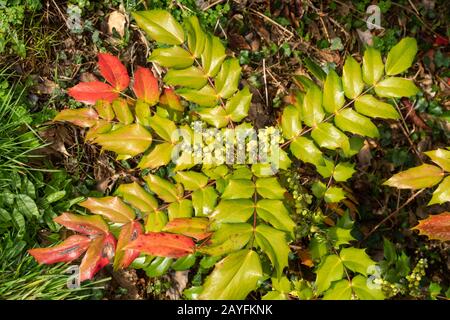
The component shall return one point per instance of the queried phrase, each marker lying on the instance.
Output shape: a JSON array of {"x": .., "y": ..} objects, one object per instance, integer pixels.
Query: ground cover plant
[{"x": 217, "y": 177}]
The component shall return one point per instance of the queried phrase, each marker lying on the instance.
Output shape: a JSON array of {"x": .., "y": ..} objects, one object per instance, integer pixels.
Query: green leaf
[
  {"x": 196, "y": 37},
  {"x": 305, "y": 149},
  {"x": 314, "y": 68},
  {"x": 234, "y": 277},
  {"x": 191, "y": 77},
  {"x": 340, "y": 235},
  {"x": 239, "y": 189},
  {"x": 275, "y": 213},
  {"x": 159, "y": 156},
  {"x": 160, "y": 25},
  {"x": 213, "y": 55},
  {"x": 370, "y": 106},
  {"x": 228, "y": 238},
  {"x": 233, "y": 211},
  {"x": 204, "y": 201},
  {"x": 227, "y": 80},
  {"x": 291, "y": 124},
  {"x": 163, "y": 188},
  {"x": 363, "y": 292},
  {"x": 331, "y": 269},
  {"x": 191, "y": 180},
  {"x": 270, "y": 188},
  {"x": 273, "y": 243},
  {"x": 130, "y": 140},
  {"x": 237, "y": 106},
  {"x": 352, "y": 78},
  {"x": 275, "y": 295},
  {"x": 328, "y": 136},
  {"x": 312, "y": 111},
  {"x": 441, "y": 157},
  {"x": 205, "y": 97},
  {"x": 26, "y": 206},
  {"x": 104, "y": 110},
  {"x": 155, "y": 221},
  {"x": 172, "y": 57},
  {"x": 343, "y": 171},
  {"x": 423, "y": 176},
  {"x": 372, "y": 67},
  {"x": 143, "y": 112},
  {"x": 351, "y": 121},
  {"x": 401, "y": 56},
  {"x": 158, "y": 267},
  {"x": 356, "y": 260},
  {"x": 135, "y": 195},
  {"x": 163, "y": 127},
  {"x": 340, "y": 290},
  {"x": 180, "y": 209},
  {"x": 334, "y": 195},
  {"x": 442, "y": 193},
  {"x": 216, "y": 117},
  {"x": 184, "y": 263},
  {"x": 394, "y": 87},
  {"x": 333, "y": 94},
  {"x": 326, "y": 170}
]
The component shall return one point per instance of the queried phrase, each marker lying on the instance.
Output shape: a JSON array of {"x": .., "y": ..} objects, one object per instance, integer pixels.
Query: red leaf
[
  {"x": 163, "y": 244},
  {"x": 170, "y": 99},
  {"x": 91, "y": 92},
  {"x": 99, "y": 254},
  {"x": 67, "y": 251},
  {"x": 145, "y": 86},
  {"x": 436, "y": 226},
  {"x": 191, "y": 227},
  {"x": 128, "y": 233},
  {"x": 89, "y": 225},
  {"x": 441, "y": 41},
  {"x": 113, "y": 71}
]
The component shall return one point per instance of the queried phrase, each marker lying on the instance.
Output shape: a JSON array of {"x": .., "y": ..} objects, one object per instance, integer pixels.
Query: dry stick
[
  {"x": 394, "y": 213},
  {"x": 265, "y": 82},
  {"x": 291, "y": 34}
]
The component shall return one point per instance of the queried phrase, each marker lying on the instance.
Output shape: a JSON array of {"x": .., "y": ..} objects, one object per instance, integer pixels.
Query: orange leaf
[
  {"x": 113, "y": 208},
  {"x": 113, "y": 71},
  {"x": 128, "y": 233},
  {"x": 145, "y": 86},
  {"x": 83, "y": 117},
  {"x": 170, "y": 99},
  {"x": 163, "y": 244},
  {"x": 91, "y": 92},
  {"x": 67, "y": 251},
  {"x": 89, "y": 225},
  {"x": 99, "y": 254},
  {"x": 436, "y": 227},
  {"x": 191, "y": 227}
]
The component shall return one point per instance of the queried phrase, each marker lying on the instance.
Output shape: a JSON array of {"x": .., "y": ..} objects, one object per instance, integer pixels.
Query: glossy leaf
[
  {"x": 213, "y": 55},
  {"x": 372, "y": 67},
  {"x": 351, "y": 121},
  {"x": 291, "y": 122},
  {"x": 180, "y": 209},
  {"x": 143, "y": 112},
  {"x": 239, "y": 189},
  {"x": 196, "y": 37},
  {"x": 216, "y": 117},
  {"x": 204, "y": 201},
  {"x": 91, "y": 92},
  {"x": 333, "y": 94},
  {"x": 369, "y": 106},
  {"x": 305, "y": 150},
  {"x": 192, "y": 227},
  {"x": 163, "y": 127},
  {"x": 275, "y": 213},
  {"x": 343, "y": 171},
  {"x": 352, "y": 78},
  {"x": 98, "y": 255},
  {"x": 233, "y": 211},
  {"x": 331, "y": 269},
  {"x": 423, "y": 176},
  {"x": 394, "y": 87},
  {"x": 135, "y": 195},
  {"x": 163, "y": 244},
  {"x": 312, "y": 111},
  {"x": 170, "y": 99},
  {"x": 163, "y": 188},
  {"x": 131, "y": 140},
  {"x": 145, "y": 86},
  {"x": 191, "y": 77},
  {"x": 340, "y": 290},
  {"x": 227, "y": 80},
  {"x": 122, "y": 111},
  {"x": 441, "y": 157},
  {"x": 234, "y": 277},
  {"x": 89, "y": 225},
  {"x": 356, "y": 260},
  {"x": 401, "y": 56},
  {"x": 159, "y": 156},
  {"x": 129, "y": 232},
  {"x": 204, "y": 97},
  {"x": 172, "y": 57},
  {"x": 228, "y": 238},
  {"x": 363, "y": 291},
  {"x": 328, "y": 136},
  {"x": 334, "y": 195},
  {"x": 83, "y": 117},
  {"x": 339, "y": 236},
  {"x": 104, "y": 110},
  {"x": 158, "y": 267},
  {"x": 442, "y": 193},
  {"x": 273, "y": 243},
  {"x": 112, "y": 208},
  {"x": 435, "y": 227},
  {"x": 155, "y": 221},
  {"x": 113, "y": 71},
  {"x": 237, "y": 106},
  {"x": 191, "y": 180},
  {"x": 160, "y": 25},
  {"x": 67, "y": 251},
  {"x": 270, "y": 188}
]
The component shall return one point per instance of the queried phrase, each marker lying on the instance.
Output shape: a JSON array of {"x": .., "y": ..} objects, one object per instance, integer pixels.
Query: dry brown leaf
[{"x": 117, "y": 20}]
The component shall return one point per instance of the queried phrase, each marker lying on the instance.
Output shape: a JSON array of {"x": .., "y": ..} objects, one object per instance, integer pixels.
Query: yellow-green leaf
[
  {"x": 204, "y": 201},
  {"x": 122, "y": 111},
  {"x": 442, "y": 193},
  {"x": 135, "y": 195},
  {"x": 328, "y": 136},
  {"x": 369, "y": 106},
  {"x": 191, "y": 77},
  {"x": 356, "y": 260},
  {"x": 180, "y": 209},
  {"x": 239, "y": 189},
  {"x": 213, "y": 55},
  {"x": 423, "y": 176},
  {"x": 163, "y": 188},
  {"x": 159, "y": 156},
  {"x": 155, "y": 221},
  {"x": 195, "y": 36},
  {"x": 352, "y": 78},
  {"x": 270, "y": 188},
  {"x": 237, "y": 106},
  {"x": 191, "y": 180},
  {"x": 163, "y": 127},
  {"x": 401, "y": 56},
  {"x": 205, "y": 97},
  {"x": 112, "y": 208},
  {"x": 394, "y": 87},
  {"x": 143, "y": 113},
  {"x": 130, "y": 140},
  {"x": 275, "y": 213},
  {"x": 312, "y": 111},
  {"x": 441, "y": 157},
  {"x": 172, "y": 57},
  {"x": 83, "y": 117},
  {"x": 331, "y": 269},
  {"x": 290, "y": 122},
  {"x": 363, "y": 291},
  {"x": 372, "y": 67},
  {"x": 104, "y": 110},
  {"x": 333, "y": 94},
  {"x": 228, "y": 238},
  {"x": 227, "y": 80},
  {"x": 216, "y": 117},
  {"x": 351, "y": 121},
  {"x": 340, "y": 290},
  {"x": 160, "y": 25},
  {"x": 233, "y": 211},
  {"x": 305, "y": 150}
]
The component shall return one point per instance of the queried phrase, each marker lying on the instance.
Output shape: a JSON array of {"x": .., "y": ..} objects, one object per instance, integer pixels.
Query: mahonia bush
[{"x": 241, "y": 218}]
